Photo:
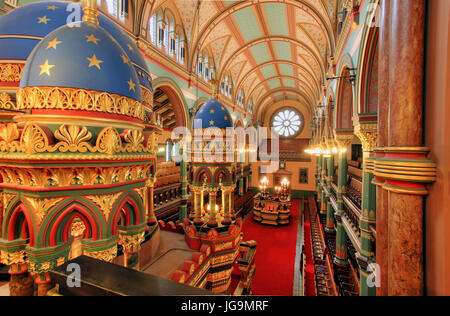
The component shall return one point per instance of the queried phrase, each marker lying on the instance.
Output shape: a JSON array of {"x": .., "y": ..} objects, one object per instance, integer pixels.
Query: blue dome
[
  {"x": 81, "y": 56},
  {"x": 24, "y": 27},
  {"x": 213, "y": 114},
  {"x": 129, "y": 46}
]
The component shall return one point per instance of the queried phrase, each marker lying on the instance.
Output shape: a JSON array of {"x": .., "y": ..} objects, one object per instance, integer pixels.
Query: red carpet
[
  {"x": 310, "y": 287},
  {"x": 275, "y": 255}
]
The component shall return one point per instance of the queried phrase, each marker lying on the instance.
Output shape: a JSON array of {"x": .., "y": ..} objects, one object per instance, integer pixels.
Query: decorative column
[
  {"x": 323, "y": 200},
  {"x": 227, "y": 204},
  {"x": 21, "y": 282},
  {"x": 131, "y": 245},
  {"x": 405, "y": 167},
  {"x": 231, "y": 200},
  {"x": 383, "y": 123},
  {"x": 241, "y": 181},
  {"x": 43, "y": 283},
  {"x": 318, "y": 175},
  {"x": 212, "y": 218},
  {"x": 329, "y": 227},
  {"x": 341, "y": 258},
  {"x": 367, "y": 131},
  {"x": 184, "y": 192},
  {"x": 196, "y": 214},
  {"x": 151, "y": 218}
]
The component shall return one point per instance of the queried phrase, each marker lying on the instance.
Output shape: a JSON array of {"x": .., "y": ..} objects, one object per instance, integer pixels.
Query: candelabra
[{"x": 263, "y": 186}]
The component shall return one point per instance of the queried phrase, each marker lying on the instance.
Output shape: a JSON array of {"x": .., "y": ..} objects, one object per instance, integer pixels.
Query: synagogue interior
[{"x": 225, "y": 147}]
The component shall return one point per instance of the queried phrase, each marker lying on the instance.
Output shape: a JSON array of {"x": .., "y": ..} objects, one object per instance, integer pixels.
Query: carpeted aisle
[{"x": 275, "y": 255}]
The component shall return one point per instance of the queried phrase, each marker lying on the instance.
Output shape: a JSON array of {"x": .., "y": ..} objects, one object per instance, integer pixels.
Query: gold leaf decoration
[
  {"x": 62, "y": 177},
  {"x": 33, "y": 139},
  {"x": 12, "y": 258},
  {"x": 87, "y": 176},
  {"x": 6, "y": 103},
  {"x": 10, "y": 72},
  {"x": 42, "y": 206},
  {"x": 7, "y": 198},
  {"x": 105, "y": 202},
  {"x": 109, "y": 141},
  {"x": 107, "y": 175},
  {"x": 104, "y": 255},
  {"x": 134, "y": 139},
  {"x": 78, "y": 99},
  {"x": 73, "y": 139},
  {"x": 9, "y": 135}
]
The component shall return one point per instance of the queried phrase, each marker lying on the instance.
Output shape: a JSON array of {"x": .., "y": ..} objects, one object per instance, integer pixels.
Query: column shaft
[
  {"x": 330, "y": 210},
  {"x": 341, "y": 235},
  {"x": 383, "y": 138},
  {"x": 405, "y": 266}
]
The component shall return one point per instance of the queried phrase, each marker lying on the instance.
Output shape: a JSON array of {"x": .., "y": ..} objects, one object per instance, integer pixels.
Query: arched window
[
  {"x": 250, "y": 106},
  {"x": 240, "y": 98},
  {"x": 152, "y": 29},
  {"x": 181, "y": 51},
  {"x": 117, "y": 8}
]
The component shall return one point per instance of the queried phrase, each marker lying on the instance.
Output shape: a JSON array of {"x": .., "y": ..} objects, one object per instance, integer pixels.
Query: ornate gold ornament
[
  {"x": 105, "y": 202},
  {"x": 109, "y": 141},
  {"x": 73, "y": 139},
  {"x": 7, "y": 198},
  {"x": 104, "y": 255},
  {"x": 131, "y": 243},
  {"x": 134, "y": 140},
  {"x": 147, "y": 97},
  {"x": 33, "y": 139},
  {"x": 9, "y": 135},
  {"x": 11, "y": 72},
  {"x": 6, "y": 102},
  {"x": 368, "y": 134},
  {"x": 42, "y": 206},
  {"x": 10, "y": 258},
  {"x": 78, "y": 100},
  {"x": 62, "y": 177}
]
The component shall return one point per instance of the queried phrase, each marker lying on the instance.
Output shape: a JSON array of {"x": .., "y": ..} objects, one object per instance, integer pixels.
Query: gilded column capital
[
  {"x": 368, "y": 134},
  {"x": 212, "y": 190},
  {"x": 132, "y": 243},
  {"x": 343, "y": 140},
  {"x": 196, "y": 188},
  {"x": 151, "y": 181}
]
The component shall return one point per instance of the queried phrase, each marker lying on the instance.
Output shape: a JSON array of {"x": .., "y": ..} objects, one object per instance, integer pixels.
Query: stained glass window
[{"x": 287, "y": 123}]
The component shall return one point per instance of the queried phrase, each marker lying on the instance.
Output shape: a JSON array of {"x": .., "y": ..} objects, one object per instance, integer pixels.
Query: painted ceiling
[{"x": 273, "y": 49}]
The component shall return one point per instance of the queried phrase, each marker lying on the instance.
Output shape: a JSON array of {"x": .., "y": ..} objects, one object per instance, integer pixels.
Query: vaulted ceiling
[{"x": 273, "y": 49}]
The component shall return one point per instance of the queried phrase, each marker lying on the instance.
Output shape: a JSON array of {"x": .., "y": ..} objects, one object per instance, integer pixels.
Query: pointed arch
[
  {"x": 54, "y": 228},
  {"x": 200, "y": 173},
  {"x": 130, "y": 208},
  {"x": 19, "y": 220}
]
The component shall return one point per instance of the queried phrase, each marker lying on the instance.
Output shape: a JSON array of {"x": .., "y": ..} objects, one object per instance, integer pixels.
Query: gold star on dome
[
  {"x": 92, "y": 39},
  {"x": 52, "y": 7},
  {"x": 125, "y": 59},
  {"x": 43, "y": 19},
  {"x": 211, "y": 123},
  {"x": 223, "y": 109},
  {"x": 53, "y": 44},
  {"x": 94, "y": 62},
  {"x": 131, "y": 84},
  {"x": 226, "y": 118},
  {"x": 130, "y": 47},
  {"x": 212, "y": 111},
  {"x": 45, "y": 68}
]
